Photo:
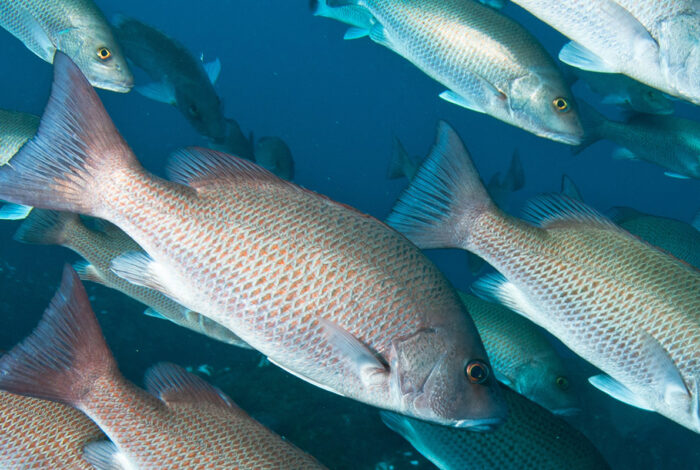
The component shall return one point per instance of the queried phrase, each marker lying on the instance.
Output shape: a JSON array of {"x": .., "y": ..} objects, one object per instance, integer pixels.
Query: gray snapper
[
  {"x": 523, "y": 358},
  {"x": 488, "y": 62},
  {"x": 179, "y": 422},
  {"x": 75, "y": 27},
  {"x": 668, "y": 141},
  {"x": 273, "y": 154},
  {"x": 16, "y": 128},
  {"x": 329, "y": 294},
  {"x": 180, "y": 79},
  {"x": 531, "y": 438},
  {"x": 628, "y": 308}
]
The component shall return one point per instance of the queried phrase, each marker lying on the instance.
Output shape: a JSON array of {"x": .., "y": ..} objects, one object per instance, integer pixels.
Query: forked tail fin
[
  {"x": 65, "y": 355},
  {"x": 76, "y": 149},
  {"x": 444, "y": 198}
]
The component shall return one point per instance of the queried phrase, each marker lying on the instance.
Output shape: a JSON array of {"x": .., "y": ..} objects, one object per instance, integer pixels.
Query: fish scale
[
  {"x": 39, "y": 434},
  {"x": 628, "y": 308},
  {"x": 327, "y": 293},
  {"x": 15, "y": 129}
]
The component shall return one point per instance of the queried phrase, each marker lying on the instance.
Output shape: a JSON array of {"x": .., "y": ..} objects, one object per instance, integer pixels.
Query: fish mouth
[
  {"x": 119, "y": 87},
  {"x": 569, "y": 139},
  {"x": 478, "y": 425},
  {"x": 567, "y": 411}
]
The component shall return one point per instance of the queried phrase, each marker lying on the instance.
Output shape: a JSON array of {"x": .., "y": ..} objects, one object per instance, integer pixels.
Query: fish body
[
  {"x": 531, "y": 438},
  {"x": 182, "y": 422},
  {"x": 43, "y": 434},
  {"x": 273, "y": 154},
  {"x": 680, "y": 239},
  {"x": 653, "y": 42},
  {"x": 15, "y": 129},
  {"x": 331, "y": 295},
  {"x": 522, "y": 357},
  {"x": 628, "y": 308},
  {"x": 488, "y": 62},
  {"x": 235, "y": 143},
  {"x": 668, "y": 141},
  {"x": 75, "y": 27},
  {"x": 179, "y": 78},
  {"x": 624, "y": 91},
  {"x": 99, "y": 248}
]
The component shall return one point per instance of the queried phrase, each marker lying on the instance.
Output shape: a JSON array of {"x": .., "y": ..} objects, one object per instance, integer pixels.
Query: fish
[
  {"x": 670, "y": 142},
  {"x": 99, "y": 248},
  {"x": 623, "y": 91},
  {"x": 531, "y": 438},
  {"x": 15, "y": 129},
  {"x": 179, "y": 421},
  {"x": 653, "y": 42},
  {"x": 235, "y": 143},
  {"x": 678, "y": 238},
  {"x": 523, "y": 359},
  {"x": 401, "y": 165},
  {"x": 359, "y": 19},
  {"x": 626, "y": 307},
  {"x": 179, "y": 78},
  {"x": 43, "y": 434},
  {"x": 273, "y": 154},
  {"x": 488, "y": 62},
  {"x": 75, "y": 27},
  {"x": 327, "y": 293}
]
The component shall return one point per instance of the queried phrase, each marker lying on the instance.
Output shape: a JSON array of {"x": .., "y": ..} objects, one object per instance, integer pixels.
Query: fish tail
[
  {"x": 444, "y": 199},
  {"x": 594, "y": 124},
  {"x": 44, "y": 227},
  {"x": 515, "y": 177},
  {"x": 76, "y": 149},
  {"x": 399, "y": 160},
  {"x": 66, "y": 353}
]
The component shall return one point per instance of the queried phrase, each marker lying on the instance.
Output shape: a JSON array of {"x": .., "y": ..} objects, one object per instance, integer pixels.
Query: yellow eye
[
  {"x": 103, "y": 53},
  {"x": 561, "y": 104},
  {"x": 562, "y": 383},
  {"x": 477, "y": 372}
]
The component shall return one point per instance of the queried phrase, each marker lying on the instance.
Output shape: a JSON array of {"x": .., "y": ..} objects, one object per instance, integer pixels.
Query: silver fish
[
  {"x": 180, "y": 79},
  {"x": 668, "y": 141},
  {"x": 329, "y": 294},
  {"x": 654, "y": 42},
  {"x": 628, "y": 308},
  {"x": 488, "y": 62},
  {"x": 75, "y": 27}
]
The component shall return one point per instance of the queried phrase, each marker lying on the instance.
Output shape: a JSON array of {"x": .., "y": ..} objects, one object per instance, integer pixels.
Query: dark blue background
[{"x": 337, "y": 104}]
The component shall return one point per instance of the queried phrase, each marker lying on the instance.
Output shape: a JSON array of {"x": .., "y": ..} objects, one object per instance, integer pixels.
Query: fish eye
[
  {"x": 562, "y": 383},
  {"x": 103, "y": 53},
  {"x": 192, "y": 109},
  {"x": 561, "y": 104},
  {"x": 477, "y": 372}
]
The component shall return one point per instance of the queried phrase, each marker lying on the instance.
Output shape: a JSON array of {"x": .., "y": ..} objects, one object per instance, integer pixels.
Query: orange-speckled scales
[{"x": 40, "y": 434}]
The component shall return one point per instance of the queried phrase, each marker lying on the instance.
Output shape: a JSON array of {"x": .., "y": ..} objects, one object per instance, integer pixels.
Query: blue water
[{"x": 337, "y": 104}]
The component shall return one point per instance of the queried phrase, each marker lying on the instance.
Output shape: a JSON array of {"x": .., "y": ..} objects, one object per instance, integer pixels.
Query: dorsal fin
[
  {"x": 174, "y": 385},
  {"x": 551, "y": 209},
  {"x": 199, "y": 167}
]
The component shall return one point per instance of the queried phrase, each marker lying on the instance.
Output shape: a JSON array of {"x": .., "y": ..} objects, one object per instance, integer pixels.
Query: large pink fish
[
  {"x": 625, "y": 306},
  {"x": 329, "y": 294},
  {"x": 183, "y": 423}
]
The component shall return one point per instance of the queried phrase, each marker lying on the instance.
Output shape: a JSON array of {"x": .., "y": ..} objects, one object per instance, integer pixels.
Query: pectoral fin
[
  {"x": 615, "y": 389},
  {"x": 158, "y": 91}
]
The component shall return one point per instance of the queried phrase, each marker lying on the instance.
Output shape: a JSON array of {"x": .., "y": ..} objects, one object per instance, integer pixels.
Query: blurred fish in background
[
  {"x": 273, "y": 154},
  {"x": 488, "y": 62},
  {"x": 16, "y": 128},
  {"x": 75, "y": 27},
  {"x": 668, "y": 141},
  {"x": 235, "y": 143}
]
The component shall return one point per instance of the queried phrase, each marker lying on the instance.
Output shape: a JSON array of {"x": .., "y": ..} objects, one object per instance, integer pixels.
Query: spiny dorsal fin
[
  {"x": 174, "y": 385},
  {"x": 551, "y": 209}
]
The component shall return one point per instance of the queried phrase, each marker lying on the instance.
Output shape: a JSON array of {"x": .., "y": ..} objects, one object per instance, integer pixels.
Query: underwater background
[{"x": 337, "y": 104}]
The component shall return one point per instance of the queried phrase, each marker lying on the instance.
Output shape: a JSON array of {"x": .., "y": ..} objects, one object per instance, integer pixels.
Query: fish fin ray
[
  {"x": 14, "y": 211},
  {"x": 158, "y": 91},
  {"x": 496, "y": 288},
  {"x": 622, "y": 153},
  {"x": 355, "y": 33},
  {"x": 172, "y": 384},
  {"x": 378, "y": 34},
  {"x": 213, "y": 69},
  {"x": 105, "y": 455},
  {"x": 140, "y": 269},
  {"x": 153, "y": 313},
  {"x": 444, "y": 197},
  {"x": 618, "y": 391},
  {"x": 64, "y": 355},
  {"x": 305, "y": 378},
  {"x": 549, "y": 210},
  {"x": 576, "y": 55},
  {"x": 463, "y": 101},
  {"x": 46, "y": 227},
  {"x": 88, "y": 272}
]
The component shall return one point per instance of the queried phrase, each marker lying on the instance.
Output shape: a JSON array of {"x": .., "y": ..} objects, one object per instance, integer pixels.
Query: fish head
[
  {"x": 650, "y": 100},
  {"x": 440, "y": 379},
  {"x": 273, "y": 154},
  {"x": 98, "y": 56},
  {"x": 544, "y": 105},
  {"x": 203, "y": 110},
  {"x": 546, "y": 382}
]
